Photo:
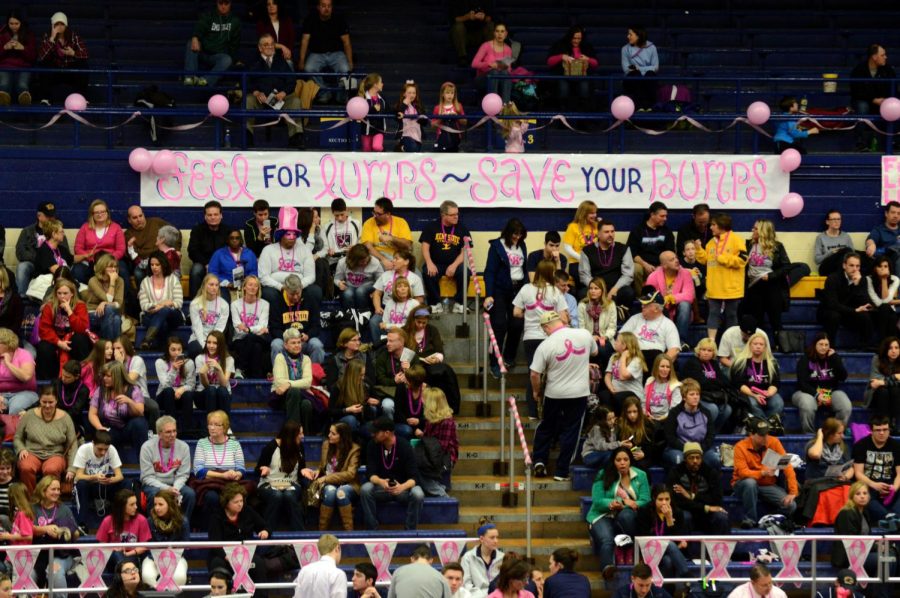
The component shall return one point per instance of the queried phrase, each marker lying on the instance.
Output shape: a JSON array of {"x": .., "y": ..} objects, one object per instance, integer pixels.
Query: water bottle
[{"x": 228, "y": 138}]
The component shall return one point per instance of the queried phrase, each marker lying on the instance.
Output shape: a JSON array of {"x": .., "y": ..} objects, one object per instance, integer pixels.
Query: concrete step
[
  {"x": 484, "y": 489},
  {"x": 545, "y": 520}
]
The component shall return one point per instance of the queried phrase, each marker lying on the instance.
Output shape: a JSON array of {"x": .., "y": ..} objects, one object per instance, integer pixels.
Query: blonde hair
[
  {"x": 258, "y": 286},
  {"x": 351, "y": 386},
  {"x": 401, "y": 280},
  {"x": 51, "y": 227},
  {"x": 200, "y": 298},
  {"x": 103, "y": 262},
  {"x": 4, "y": 279},
  {"x": 221, "y": 416},
  {"x": 854, "y": 488},
  {"x": 436, "y": 407},
  {"x": 631, "y": 345},
  {"x": 766, "y": 231},
  {"x": 367, "y": 83},
  {"x": 673, "y": 378},
  {"x": 706, "y": 343},
  {"x": 509, "y": 109},
  {"x": 604, "y": 297},
  {"x": 94, "y": 204},
  {"x": 743, "y": 356},
  {"x": 444, "y": 87},
  {"x": 63, "y": 282},
  {"x": 584, "y": 208},
  {"x": 9, "y": 338}
]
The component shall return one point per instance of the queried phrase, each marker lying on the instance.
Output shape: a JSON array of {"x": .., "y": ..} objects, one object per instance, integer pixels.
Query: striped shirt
[{"x": 218, "y": 457}]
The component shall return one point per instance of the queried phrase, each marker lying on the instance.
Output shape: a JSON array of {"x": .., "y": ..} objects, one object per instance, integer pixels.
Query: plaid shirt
[
  {"x": 51, "y": 53},
  {"x": 445, "y": 432}
]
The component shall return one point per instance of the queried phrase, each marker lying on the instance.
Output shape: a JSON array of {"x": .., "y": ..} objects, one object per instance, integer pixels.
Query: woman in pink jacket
[{"x": 96, "y": 236}]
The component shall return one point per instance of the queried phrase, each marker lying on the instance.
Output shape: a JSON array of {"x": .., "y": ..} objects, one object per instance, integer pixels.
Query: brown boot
[
  {"x": 325, "y": 514},
  {"x": 346, "y": 512}
]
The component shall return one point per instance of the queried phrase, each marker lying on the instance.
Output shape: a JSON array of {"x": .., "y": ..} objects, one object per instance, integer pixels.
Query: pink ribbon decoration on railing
[
  {"x": 381, "y": 554},
  {"x": 571, "y": 349},
  {"x": 653, "y": 550},
  {"x": 450, "y": 551},
  {"x": 306, "y": 553},
  {"x": 790, "y": 551},
  {"x": 467, "y": 247},
  {"x": 23, "y": 565},
  {"x": 166, "y": 560},
  {"x": 494, "y": 346},
  {"x": 857, "y": 550},
  {"x": 514, "y": 410},
  {"x": 719, "y": 555},
  {"x": 241, "y": 558},
  {"x": 94, "y": 560}
]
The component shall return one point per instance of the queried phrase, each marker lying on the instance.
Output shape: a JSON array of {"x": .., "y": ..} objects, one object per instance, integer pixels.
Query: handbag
[
  {"x": 313, "y": 495},
  {"x": 575, "y": 68}
]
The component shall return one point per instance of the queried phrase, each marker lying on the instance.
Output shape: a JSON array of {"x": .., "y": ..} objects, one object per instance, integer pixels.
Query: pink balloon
[
  {"x": 357, "y": 108},
  {"x": 622, "y": 108},
  {"x": 791, "y": 205},
  {"x": 164, "y": 163},
  {"x": 758, "y": 113},
  {"x": 218, "y": 105},
  {"x": 790, "y": 160},
  {"x": 140, "y": 160},
  {"x": 492, "y": 104},
  {"x": 75, "y": 102},
  {"x": 890, "y": 109}
]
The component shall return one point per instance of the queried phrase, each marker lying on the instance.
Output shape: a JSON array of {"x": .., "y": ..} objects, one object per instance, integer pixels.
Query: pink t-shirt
[
  {"x": 486, "y": 57},
  {"x": 136, "y": 530},
  {"x": 499, "y": 594},
  {"x": 24, "y": 526},
  {"x": 8, "y": 382}
]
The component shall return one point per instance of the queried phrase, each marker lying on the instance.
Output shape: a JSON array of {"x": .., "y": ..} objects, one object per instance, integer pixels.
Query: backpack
[{"x": 431, "y": 459}]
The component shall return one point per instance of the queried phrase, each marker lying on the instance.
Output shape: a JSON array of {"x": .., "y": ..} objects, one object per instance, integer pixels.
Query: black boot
[{"x": 149, "y": 342}]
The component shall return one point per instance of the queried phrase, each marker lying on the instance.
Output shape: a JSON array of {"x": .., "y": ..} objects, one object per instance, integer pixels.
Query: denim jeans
[
  {"x": 807, "y": 404},
  {"x": 60, "y": 566},
  {"x": 312, "y": 347},
  {"x": 217, "y": 63},
  {"x": 188, "y": 498},
  {"x": 605, "y": 530},
  {"x": 282, "y": 507},
  {"x": 433, "y": 487},
  {"x": 166, "y": 320},
  {"x": 14, "y": 82},
  {"x": 109, "y": 325},
  {"x": 213, "y": 398},
  {"x": 338, "y": 496},
  {"x": 134, "y": 432},
  {"x": 24, "y": 274},
  {"x": 371, "y": 494},
  {"x": 86, "y": 492},
  {"x": 357, "y": 297},
  {"x": 596, "y": 459},
  {"x": 750, "y": 492},
  {"x": 327, "y": 61},
  {"x": 673, "y": 456},
  {"x": 17, "y": 402},
  {"x": 683, "y": 317},
  {"x": 718, "y": 414},
  {"x": 774, "y": 406}
]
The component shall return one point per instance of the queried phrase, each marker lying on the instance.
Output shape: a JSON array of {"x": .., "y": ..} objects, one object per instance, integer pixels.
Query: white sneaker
[
  {"x": 201, "y": 81},
  {"x": 238, "y": 374},
  {"x": 437, "y": 308},
  {"x": 459, "y": 308},
  {"x": 189, "y": 80}
]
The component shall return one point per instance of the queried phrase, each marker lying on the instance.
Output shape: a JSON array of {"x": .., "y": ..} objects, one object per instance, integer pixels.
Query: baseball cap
[
  {"x": 59, "y": 17},
  {"x": 692, "y": 447},
  {"x": 650, "y": 295},
  {"x": 847, "y": 579},
  {"x": 549, "y": 316},
  {"x": 758, "y": 426},
  {"x": 47, "y": 209},
  {"x": 748, "y": 324}
]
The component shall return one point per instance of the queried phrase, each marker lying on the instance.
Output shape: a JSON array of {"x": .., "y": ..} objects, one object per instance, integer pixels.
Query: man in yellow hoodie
[{"x": 753, "y": 481}]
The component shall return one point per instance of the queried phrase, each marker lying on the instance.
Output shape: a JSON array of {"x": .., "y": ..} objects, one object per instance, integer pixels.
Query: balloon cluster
[{"x": 162, "y": 163}]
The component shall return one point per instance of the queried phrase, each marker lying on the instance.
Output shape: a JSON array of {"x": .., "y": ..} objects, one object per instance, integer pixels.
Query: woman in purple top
[{"x": 118, "y": 407}]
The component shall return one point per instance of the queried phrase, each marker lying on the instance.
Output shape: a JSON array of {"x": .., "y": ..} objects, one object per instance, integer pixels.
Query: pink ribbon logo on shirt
[
  {"x": 790, "y": 551},
  {"x": 515, "y": 259},
  {"x": 241, "y": 559},
  {"x": 720, "y": 556},
  {"x": 167, "y": 561},
  {"x": 538, "y": 304},
  {"x": 857, "y": 551},
  {"x": 381, "y": 553},
  {"x": 285, "y": 265},
  {"x": 356, "y": 278},
  {"x": 23, "y": 565},
  {"x": 306, "y": 553},
  {"x": 94, "y": 560},
  {"x": 571, "y": 349},
  {"x": 653, "y": 551}
]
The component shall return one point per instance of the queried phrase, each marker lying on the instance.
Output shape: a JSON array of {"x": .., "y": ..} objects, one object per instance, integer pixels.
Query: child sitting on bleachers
[
  {"x": 787, "y": 134},
  {"x": 601, "y": 440}
]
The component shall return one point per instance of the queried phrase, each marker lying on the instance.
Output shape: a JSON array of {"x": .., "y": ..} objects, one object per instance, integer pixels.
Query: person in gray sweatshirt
[
  {"x": 166, "y": 465},
  {"x": 831, "y": 245}
]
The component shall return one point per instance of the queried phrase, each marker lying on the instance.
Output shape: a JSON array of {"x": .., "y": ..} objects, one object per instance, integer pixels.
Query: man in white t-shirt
[
  {"x": 98, "y": 476},
  {"x": 564, "y": 356},
  {"x": 655, "y": 332},
  {"x": 734, "y": 339},
  {"x": 526, "y": 304},
  {"x": 759, "y": 586}
]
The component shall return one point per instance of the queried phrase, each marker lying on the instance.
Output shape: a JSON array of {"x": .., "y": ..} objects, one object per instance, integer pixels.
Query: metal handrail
[{"x": 515, "y": 425}]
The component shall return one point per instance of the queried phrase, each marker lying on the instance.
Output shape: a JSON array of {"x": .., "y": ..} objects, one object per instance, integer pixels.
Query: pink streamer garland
[{"x": 519, "y": 429}]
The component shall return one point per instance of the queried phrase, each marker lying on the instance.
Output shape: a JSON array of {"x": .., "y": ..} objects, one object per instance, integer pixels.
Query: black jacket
[
  {"x": 251, "y": 235},
  {"x": 706, "y": 485},
  {"x": 781, "y": 265},
  {"x": 693, "y": 368},
  {"x": 808, "y": 379},
  {"x": 401, "y": 468},
  {"x": 848, "y": 523},
  {"x": 842, "y": 297},
  {"x": 280, "y": 76},
  {"x": 670, "y": 426},
  {"x": 205, "y": 241},
  {"x": 876, "y": 87}
]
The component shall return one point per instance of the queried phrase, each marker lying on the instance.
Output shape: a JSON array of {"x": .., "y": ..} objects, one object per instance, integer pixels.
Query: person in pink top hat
[{"x": 285, "y": 257}]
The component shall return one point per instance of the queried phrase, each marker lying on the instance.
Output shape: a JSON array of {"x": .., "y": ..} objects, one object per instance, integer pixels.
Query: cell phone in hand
[{"x": 392, "y": 483}]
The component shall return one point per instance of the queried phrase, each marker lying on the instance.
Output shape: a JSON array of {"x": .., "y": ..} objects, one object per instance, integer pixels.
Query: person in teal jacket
[
  {"x": 214, "y": 45},
  {"x": 619, "y": 491}
]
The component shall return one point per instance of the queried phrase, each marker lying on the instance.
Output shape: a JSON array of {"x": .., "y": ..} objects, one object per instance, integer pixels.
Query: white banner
[{"x": 618, "y": 181}]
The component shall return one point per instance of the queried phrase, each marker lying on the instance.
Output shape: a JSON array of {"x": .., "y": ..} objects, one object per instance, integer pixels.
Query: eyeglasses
[
  {"x": 214, "y": 425},
  {"x": 98, "y": 212},
  {"x": 129, "y": 570}
]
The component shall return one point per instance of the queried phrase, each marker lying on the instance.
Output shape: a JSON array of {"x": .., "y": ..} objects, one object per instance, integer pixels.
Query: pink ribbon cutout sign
[
  {"x": 790, "y": 551},
  {"x": 166, "y": 560},
  {"x": 719, "y": 555},
  {"x": 449, "y": 551},
  {"x": 857, "y": 551},
  {"x": 653, "y": 550},
  {"x": 241, "y": 558},
  {"x": 306, "y": 553},
  {"x": 23, "y": 565},
  {"x": 381, "y": 554},
  {"x": 571, "y": 349},
  {"x": 94, "y": 560}
]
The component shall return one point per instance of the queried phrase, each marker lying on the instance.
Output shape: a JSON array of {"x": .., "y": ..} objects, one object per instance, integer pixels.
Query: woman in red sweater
[
  {"x": 98, "y": 235},
  {"x": 62, "y": 329}
]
